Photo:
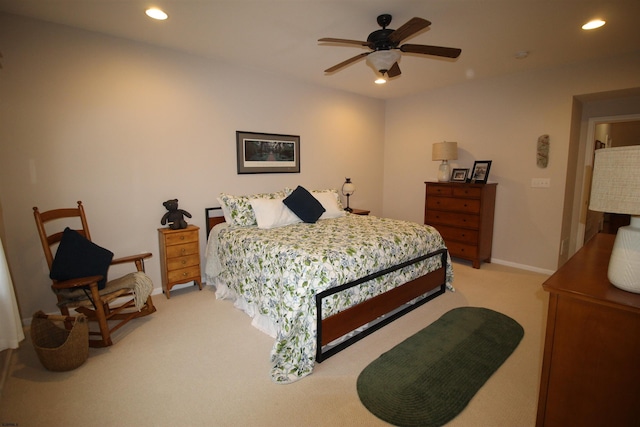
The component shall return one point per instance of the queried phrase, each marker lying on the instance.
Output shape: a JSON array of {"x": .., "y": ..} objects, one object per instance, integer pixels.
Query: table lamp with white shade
[
  {"x": 615, "y": 188},
  {"x": 348, "y": 188},
  {"x": 444, "y": 151}
]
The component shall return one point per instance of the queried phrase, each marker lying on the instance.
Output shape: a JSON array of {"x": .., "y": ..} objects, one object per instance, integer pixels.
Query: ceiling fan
[{"x": 384, "y": 45}]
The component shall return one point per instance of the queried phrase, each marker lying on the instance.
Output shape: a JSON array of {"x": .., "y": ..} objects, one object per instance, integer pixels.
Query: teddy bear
[{"x": 175, "y": 216}]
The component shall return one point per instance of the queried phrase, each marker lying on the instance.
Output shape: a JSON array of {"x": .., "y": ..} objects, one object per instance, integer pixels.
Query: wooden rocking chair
[{"x": 93, "y": 295}]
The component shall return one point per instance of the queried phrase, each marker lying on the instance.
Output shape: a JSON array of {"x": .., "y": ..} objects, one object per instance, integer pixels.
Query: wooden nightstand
[
  {"x": 360, "y": 212},
  {"x": 179, "y": 257}
]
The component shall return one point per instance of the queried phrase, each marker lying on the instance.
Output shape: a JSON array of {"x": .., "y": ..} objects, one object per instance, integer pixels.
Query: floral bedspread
[{"x": 280, "y": 271}]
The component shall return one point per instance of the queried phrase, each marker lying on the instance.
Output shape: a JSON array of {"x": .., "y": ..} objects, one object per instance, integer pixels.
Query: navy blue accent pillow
[
  {"x": 78, "y": 257},
  {"x": 304, "y": 205}
]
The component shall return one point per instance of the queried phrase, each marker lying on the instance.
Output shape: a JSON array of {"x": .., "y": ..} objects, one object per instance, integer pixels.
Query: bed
[{"x": 318, "y": 287}]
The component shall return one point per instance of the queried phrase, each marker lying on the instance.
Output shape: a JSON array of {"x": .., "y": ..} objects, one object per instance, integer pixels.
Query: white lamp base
[
  {"x": 444, "y": 171},
  {"x": 624, "y": 265}
]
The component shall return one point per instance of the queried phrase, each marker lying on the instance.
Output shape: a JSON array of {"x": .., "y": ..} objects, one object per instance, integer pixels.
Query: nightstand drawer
[
  {"x": 451, "y": 204},
  {"x": 182, "y": 250},
  {"x": 183, "y": 262},
  {"x": 461, "y": 250},
  {"x": 452, "y": 218},
  {"x": 179, "y": 238},
  {"x": 184, "y": 274},
  {"x": 463, "y": 235}
]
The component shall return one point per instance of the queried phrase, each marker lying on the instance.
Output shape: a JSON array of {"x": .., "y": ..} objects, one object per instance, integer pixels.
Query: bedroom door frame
[{"x": 588, "y": 167}]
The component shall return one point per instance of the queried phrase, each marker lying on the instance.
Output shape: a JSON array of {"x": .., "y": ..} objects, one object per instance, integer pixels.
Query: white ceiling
[{"x": 280, "y": 36}]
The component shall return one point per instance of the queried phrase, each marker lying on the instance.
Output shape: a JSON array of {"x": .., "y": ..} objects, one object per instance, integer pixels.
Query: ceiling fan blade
[
  {"x": 410, "y": 28},
  {"x": 449, "y": 52},
  {"x": 394, "y": 70},
  {"x": 346, "y": 41},
  {"x": 345, "y": 63}
]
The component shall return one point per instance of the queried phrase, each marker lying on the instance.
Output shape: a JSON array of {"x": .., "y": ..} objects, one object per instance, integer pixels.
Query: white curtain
[{"x": 11, "y": 332}]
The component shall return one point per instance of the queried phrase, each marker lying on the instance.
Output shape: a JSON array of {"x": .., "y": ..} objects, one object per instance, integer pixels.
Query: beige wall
[
  {"x": 124, "y": 126},
  {"x": 500, "y": 120}
]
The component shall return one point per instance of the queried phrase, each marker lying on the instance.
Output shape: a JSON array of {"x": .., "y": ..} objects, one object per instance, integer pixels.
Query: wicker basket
[{"x": 57, "y": 348}]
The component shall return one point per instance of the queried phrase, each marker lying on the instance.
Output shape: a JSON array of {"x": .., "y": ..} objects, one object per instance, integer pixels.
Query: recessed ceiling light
[
  {"x": 592, "y": 25},
  {"x": 156, "y": 14}
]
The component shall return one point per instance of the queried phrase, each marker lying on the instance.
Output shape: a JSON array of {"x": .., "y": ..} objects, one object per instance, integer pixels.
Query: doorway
[{"x": 604, "y": 132}]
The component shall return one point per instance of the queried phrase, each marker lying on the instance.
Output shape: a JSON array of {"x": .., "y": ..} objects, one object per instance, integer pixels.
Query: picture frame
[
  {"x": 267, "y": 153},
  {"x": 459, "y": 175},
  {"x": 480, "y": 171}
]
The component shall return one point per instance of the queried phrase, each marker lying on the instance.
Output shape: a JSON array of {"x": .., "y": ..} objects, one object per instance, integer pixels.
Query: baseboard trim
[{"x": 522, "y": 266}]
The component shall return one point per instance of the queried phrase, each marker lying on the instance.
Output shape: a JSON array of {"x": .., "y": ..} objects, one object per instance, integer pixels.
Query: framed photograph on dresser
[
  {"x": 480, "y": 171},
  {"x": 459, "y": 175}
]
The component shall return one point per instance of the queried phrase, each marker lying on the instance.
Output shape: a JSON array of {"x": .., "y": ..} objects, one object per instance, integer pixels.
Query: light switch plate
[{"x": 540, "y": 182}]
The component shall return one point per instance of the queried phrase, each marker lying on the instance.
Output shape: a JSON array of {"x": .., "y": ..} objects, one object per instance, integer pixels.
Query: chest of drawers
[
  {"x": 179, "y": 257},
  {"x": 463, "y": 214},
  {"x": 590, "y": 374}
]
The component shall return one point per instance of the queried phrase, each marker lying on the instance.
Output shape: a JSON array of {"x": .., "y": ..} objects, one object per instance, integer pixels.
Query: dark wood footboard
[{"x": 346, "y": 321}]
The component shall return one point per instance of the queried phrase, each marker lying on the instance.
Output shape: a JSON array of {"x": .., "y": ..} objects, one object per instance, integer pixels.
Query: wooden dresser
[
  {"x": 591, "y": 363},
  {"x": 179, "y": 257},
  {"x": 463, "y": 214}
]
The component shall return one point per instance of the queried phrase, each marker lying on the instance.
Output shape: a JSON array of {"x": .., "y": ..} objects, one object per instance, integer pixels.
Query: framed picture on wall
[
  {"x": 267, "y": 153},
  {"x": 480, "y": 171},
  {"x": 459, "y": 175}
]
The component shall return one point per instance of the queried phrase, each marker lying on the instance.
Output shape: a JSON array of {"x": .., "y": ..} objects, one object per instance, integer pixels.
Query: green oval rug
[{"x": 430, "y": 377}]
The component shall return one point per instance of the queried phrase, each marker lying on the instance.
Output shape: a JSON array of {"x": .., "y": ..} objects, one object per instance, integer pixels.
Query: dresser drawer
[
  {"x": 452, "y": 204},
  {"x": 463, "y": 235},
  {"x": 439, "y": 190},
  {"x": 183, "y": 262},
  {"x": 470, "y": 192},
  {"x": 460, "y": 250},
  {"x": 184, "y": 274},
  {"x": 453, "y": 219},
  {"x": 179, "y": 238},
  {"x": 182, "y": 250}
]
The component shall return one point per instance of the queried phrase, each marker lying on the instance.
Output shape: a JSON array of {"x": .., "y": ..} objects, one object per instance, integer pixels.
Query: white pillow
[
  {"x": 271, "y": 213},
  {"x": 329, "y": 201},
  {"x": 225, "y": 211}
]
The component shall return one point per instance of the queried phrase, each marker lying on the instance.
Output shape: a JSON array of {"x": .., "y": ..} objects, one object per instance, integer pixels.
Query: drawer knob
[
  {"x": 184, "y": 274},
  {"x": 184, "y": 262},
  {"x": 183, "y": 250},
  {"x": 181, "y": 237}
]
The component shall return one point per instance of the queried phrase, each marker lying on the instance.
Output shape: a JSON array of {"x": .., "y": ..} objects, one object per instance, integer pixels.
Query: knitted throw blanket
[{"x": 139, "y": 283}]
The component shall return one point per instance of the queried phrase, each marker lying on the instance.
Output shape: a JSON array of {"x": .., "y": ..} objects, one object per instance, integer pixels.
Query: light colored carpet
[{"x": 197, "y": 361}]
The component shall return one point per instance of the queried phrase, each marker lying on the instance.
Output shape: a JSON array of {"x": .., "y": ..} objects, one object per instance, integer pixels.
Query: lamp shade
[
  {"x": 615, "y": 188},
  {"x": 348, "y": 188},
  {"x": 446, "y": 150},
  {"x": 383, "y": 60}
]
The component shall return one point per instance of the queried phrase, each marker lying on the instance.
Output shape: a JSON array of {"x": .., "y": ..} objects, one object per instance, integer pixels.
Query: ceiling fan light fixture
[
  {"x": 383, "y": 60},
  {"x": 592, "y": 25},
  {"x": 156, "y": 13},
  {"x": 380, "y": 80}
]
